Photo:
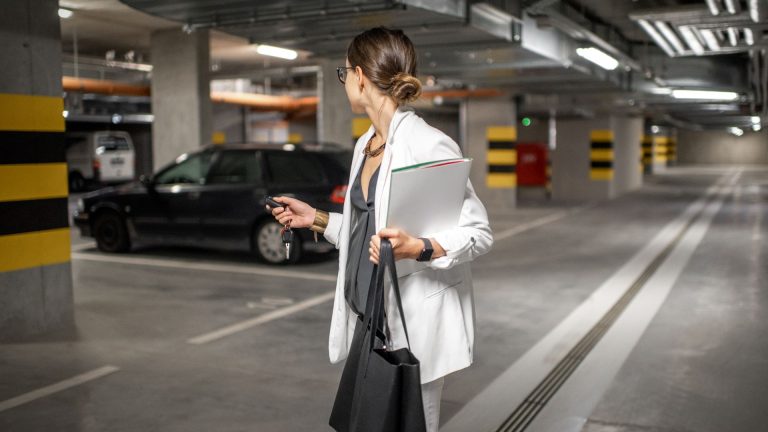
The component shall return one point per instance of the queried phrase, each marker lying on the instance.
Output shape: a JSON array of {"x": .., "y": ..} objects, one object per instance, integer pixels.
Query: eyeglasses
[{"x": 341, "y": 72}]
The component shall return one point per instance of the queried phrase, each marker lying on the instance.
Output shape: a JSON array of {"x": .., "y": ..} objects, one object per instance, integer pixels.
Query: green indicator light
[{"x": 526, "y": 121}]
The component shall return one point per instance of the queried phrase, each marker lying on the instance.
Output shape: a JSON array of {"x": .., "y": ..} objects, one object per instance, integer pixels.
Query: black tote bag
[{"x": 380, "y": 390}]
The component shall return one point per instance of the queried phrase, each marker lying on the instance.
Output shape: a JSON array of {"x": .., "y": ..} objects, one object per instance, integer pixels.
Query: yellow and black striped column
[
  {"x": 671, "y": 151},
  {"x": 360, "y": 126},
  {"x": 646, "y": 152},
  {"x": 660, "y": 150},
  {"x": 34, "y": 228},
  {"x": 502, "y": 157},
  {"x": 601, "y": 155}
]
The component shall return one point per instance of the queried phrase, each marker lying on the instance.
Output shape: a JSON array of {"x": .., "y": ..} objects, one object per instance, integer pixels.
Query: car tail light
[
  {"x": 96, "y": 164},
  {"x": 96, "y": 169},
  {"x": 338, "y": 194}
]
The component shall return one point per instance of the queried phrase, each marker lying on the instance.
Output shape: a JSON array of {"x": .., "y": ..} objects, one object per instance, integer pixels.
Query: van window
[
  {"x": 110, "y": 143},
  {"x": 236, "y": 167},
  {"x": 289, "y": 168}
]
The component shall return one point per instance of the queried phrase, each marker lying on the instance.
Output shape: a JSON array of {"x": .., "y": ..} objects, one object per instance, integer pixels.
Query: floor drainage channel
[{"x": 527, "y": 411}]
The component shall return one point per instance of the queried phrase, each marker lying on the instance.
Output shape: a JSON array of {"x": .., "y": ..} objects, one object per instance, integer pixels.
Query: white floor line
[
  {"x": 55, "y": 388},
  {"x": 197, "y": 265},
  {"x": 501, "y": 235},
  {"x": 79, "y": 247},
  {"x": 573, "y": 403},
  {"x": 262, "y": 319},
  {"x": 487, "y": 410}
]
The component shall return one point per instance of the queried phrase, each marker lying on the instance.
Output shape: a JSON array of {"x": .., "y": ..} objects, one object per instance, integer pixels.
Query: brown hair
[{"x": 388, "y": 59}]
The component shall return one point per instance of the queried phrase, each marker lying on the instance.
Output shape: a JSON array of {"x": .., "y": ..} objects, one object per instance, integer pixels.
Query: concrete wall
[
  {"x": 229, "y": 120},
  {"x": 722, "y": 148}
]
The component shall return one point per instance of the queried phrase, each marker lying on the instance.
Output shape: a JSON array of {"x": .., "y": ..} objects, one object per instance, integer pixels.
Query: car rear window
[
  {"x": 294, "y": 168},
  {"x": 113, "y": 143}
]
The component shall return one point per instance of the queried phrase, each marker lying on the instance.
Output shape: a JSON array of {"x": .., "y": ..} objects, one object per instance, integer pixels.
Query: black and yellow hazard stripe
[
  {"x": 502, "y": 157},
  {"x": 660, "y": 149},
  {"x": 601, "y": 154},
  {"x": 646, "y": 150},
  {"x": 672, "y": 151},
  {"x": 360, "y": 126},
  {"x": 34, "y": 228}
]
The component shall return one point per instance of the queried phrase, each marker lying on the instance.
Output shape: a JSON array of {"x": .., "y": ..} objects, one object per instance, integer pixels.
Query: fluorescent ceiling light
[
  {"x": 749, "y": 37},
  {"x": 704, "y": 95},
  {"x": 691, "y": 39},
  {"x": 598, "y": 57},
  {"x": 755, "y": 119},
  {"x": 656, "y": 36},
  {"x": 713, "y": 8},
  {"x": 733, "y": 6},
  {"x": 661, "y": 90},
  {"x": 733, "y": 36},
  {"x": 710, "y": 39},
  {"x": 65, "y": 13},
  {"x": 756, "y": 127},
  {"x": 668, "y": 33},
  {"x": 736, "y": 131},
  {"x": 273, "y": 51}
]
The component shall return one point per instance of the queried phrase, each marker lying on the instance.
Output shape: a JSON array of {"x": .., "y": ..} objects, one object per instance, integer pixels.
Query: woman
[{"x": 379, "y": 78}]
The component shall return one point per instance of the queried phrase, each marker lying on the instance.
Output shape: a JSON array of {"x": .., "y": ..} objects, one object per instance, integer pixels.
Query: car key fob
[{"x": 272, "y": 203}]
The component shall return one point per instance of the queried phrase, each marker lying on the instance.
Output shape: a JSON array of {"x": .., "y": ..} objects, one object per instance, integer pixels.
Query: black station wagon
[{"x": 215, "y": 198}]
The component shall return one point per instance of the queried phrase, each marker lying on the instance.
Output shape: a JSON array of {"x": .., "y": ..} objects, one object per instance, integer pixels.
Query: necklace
[{"x": 376, "y": 152}]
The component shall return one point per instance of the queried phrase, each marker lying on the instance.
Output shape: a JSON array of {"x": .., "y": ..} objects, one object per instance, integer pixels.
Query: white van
[{"x": 99, "y": 157}]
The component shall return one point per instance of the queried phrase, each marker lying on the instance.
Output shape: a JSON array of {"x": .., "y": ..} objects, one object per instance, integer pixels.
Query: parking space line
[
  {"x": 261, "y": 319},
  {"x": 197, "y": 265},
  {"x": 55, "y": 388},
  {"x": 83, "y": 246},
  {"x": 539, "y": 222}
]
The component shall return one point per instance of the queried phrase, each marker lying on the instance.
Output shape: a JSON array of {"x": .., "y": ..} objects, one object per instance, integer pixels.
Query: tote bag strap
[{"x": 387, "y": 263}]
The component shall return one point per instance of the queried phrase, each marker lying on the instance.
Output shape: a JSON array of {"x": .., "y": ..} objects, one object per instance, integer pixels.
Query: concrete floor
[{"x": 700, "y": 365}]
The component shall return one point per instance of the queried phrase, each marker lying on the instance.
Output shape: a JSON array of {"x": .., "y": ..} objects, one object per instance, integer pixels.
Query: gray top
[{"x": 359, "y": 273}]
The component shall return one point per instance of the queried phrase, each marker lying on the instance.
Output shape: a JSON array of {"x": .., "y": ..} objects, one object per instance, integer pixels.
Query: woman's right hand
[{"x": 299, "y": 213}]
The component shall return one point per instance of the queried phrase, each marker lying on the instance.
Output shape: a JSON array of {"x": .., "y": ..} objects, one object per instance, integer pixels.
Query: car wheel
[
  {"x": 110, "y": 233},
  {"x": 76, "y": 182},
  {"x": 268, "y": 244}
]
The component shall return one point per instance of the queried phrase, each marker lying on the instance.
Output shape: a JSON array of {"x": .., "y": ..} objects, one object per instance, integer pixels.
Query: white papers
[{"x": 426, "y": 198}]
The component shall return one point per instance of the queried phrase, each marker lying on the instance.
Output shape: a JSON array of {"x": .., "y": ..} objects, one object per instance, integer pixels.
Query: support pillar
[
  {"x": 181, "y": 94},
  {"x": 334, "y": 114},
  {"x": 490, "y": 137},
  {"x": 35, "y": 273}
]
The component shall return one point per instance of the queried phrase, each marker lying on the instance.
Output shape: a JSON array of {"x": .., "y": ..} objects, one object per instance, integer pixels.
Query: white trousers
[{"x": 430, "y": 395}]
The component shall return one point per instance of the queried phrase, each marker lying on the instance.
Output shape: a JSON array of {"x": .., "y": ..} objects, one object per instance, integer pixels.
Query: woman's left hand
[{"x": 404, "y": 245}]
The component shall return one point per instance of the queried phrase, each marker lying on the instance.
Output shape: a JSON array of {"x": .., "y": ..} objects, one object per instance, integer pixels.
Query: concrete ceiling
[{"x": 461, "y": 42}]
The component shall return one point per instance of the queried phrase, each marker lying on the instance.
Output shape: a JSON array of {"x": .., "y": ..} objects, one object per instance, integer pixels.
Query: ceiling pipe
[
  {"x": 255, "y": 101},
  {"x": 87, "y": 85}
]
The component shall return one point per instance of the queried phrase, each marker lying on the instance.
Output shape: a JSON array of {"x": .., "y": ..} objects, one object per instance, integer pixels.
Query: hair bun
[{"x": 404, "y": 88}]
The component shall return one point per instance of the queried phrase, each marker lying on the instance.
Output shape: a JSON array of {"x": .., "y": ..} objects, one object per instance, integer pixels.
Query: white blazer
[{"x": 437, "y": 300}]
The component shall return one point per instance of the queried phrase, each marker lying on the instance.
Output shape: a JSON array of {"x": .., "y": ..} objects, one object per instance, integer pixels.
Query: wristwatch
[{"x": 426, "y": 253}]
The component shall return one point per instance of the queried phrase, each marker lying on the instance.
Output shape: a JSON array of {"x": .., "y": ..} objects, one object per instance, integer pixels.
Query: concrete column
[
  {"x": 334, "y": 115},
  {"x": 490, "y": 138},
  {"x": 661, "y": 137},
  {"x": 181, "y": 99},
  {"x": 628, "y": 133},
  {"x": 35, "y": 272},
  {"x": 596, "y": 158}
]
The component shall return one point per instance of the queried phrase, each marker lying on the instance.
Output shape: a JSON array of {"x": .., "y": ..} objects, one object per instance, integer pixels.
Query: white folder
[{"x": 426, "y": 198}]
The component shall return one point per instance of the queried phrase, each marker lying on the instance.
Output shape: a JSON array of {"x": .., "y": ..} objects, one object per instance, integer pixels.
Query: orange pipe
[
  {"x": 87, "y": 85},
  {"x": 255, "y": 101}
]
